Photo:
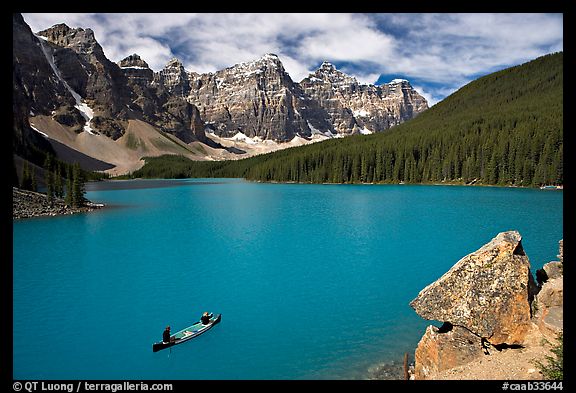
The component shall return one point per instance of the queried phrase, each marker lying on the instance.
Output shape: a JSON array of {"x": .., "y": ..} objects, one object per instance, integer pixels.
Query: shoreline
[
  {"x": 455, "y": 183},
  {"x": 31, "y": 204}
]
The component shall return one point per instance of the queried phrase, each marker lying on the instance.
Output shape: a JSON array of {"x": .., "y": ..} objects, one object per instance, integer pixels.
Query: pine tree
[
  {"x": 33, "y": 185},
  {"x": 378, "y": 168},
  {"x": 58, "y": 186},
  {"x": 26, "y": 183},
  {"x": 68, "y": 198},
  {"x": 78, "y": 190},
  {"x": 49, "y": 178},
  {"x": 49, "y": 187}
]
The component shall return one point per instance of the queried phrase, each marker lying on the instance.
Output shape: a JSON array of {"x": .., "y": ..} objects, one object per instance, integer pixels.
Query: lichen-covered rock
[
  {"x": 439, "y": 350},
  {"x": 488, "y": 292},
  {"x": 552, "y": 270}
]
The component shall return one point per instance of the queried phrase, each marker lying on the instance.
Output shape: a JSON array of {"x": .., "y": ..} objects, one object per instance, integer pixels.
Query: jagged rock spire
[
  {"x": 133, "y": 60},
  {"x": 175, "y": 78}
]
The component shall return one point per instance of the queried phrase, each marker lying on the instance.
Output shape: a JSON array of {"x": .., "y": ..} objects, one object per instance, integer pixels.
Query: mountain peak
[
  {"x": 175, "y": 78},
  {"x": 269, "y": 62},
  {"x": 81, "y": 41},
  {"x": 62, "y": 32},
  {"x": 59, "y": 27},
  {"x": 174, "y": 63},
  {"x": 327, "y": 68},
  {"x": 327, "y": 72},
  {"x": 270, "y": 56},
  {"x": 133, "y": 61}
]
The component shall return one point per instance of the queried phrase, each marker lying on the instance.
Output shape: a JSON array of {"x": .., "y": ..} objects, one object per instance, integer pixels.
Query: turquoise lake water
[{"x": 313, "y": 281}]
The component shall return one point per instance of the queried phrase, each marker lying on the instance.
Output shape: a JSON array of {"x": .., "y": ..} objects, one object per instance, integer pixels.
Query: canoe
[{"x": 188, "y": 333}]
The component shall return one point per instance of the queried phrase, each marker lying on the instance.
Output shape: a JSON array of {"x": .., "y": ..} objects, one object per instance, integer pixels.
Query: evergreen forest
[{"x": 505, "y": 128}]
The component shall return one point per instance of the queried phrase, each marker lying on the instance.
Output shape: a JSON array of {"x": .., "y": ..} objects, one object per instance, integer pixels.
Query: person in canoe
[
  {"x": 205, "y": 318},
  {"x": 166, "y": 335}
]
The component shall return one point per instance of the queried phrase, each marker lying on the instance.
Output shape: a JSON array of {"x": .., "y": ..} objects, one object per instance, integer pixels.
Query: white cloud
[
  {"x": 350, "y": 41},
  {"x": 448, "y": 47},
  {"x": 296, "y": 68},
  {"x": 430, "y": 98},
  {"x": 433, "y": 96},
  {"x": 366, "y": 78}
]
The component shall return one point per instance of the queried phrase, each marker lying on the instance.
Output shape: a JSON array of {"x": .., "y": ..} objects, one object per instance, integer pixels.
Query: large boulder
[
  {"x": 488, "y": 292},
  {"x": 444, "y": 348}
]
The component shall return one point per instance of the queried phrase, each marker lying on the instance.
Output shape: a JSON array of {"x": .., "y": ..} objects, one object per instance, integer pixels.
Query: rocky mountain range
[{"x": 70, "y": 98}]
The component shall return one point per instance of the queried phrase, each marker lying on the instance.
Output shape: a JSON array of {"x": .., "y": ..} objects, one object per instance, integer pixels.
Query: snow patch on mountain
[
  {"x": 38, "y": 131},
  {"x": 397, "y": 81},
  {"x": 316, "y": 131},
  {"x": 360, "y": 113},
  {"x": 241, "y": 137},
  {"x": 86, "y": 112}
]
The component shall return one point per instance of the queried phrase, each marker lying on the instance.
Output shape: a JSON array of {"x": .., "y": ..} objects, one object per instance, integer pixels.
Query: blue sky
[{"x": 437, "y": 53}]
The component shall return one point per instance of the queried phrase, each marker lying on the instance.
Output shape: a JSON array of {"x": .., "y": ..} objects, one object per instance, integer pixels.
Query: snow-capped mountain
[
  {"x": 256, "y": 98},
  {"x": 63, "y": 80},
  {"x": 260, "y": 99}
]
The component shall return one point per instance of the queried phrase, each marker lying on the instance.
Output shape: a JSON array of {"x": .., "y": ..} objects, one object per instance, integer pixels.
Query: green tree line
[
  {"x": 503, "y": 129},
  {"x": 56, "y": 173}
]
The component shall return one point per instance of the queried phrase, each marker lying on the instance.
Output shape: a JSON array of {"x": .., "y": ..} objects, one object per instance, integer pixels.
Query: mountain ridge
[
  {"x": 505, "y": 128},
  {"x": 80, "y": 88}
]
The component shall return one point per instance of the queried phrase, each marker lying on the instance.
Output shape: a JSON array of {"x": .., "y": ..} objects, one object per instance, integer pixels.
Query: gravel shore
[{"x": 26, "y": 204}]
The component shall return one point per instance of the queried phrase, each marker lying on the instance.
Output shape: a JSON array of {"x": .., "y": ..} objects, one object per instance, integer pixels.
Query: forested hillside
[{"x": 505, "y": 128}]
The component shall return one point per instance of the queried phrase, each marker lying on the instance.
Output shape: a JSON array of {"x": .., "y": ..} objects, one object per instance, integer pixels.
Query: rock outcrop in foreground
[{"x": 489, "y": 303}]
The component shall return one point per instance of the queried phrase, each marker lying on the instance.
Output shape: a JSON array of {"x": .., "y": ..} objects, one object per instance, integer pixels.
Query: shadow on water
[{"x": 136, "y": 184}]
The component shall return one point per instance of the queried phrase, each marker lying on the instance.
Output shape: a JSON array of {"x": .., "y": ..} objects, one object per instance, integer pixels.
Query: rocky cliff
[
  {"x": 34, "y": 90},
  {"x": 258, "y": 99},
  {"x": 157, "y": 98},
  {"x": 362, "y": 108},
  {"x": 488, "y": 303},
  {"x": 97, "y": 85},
  {"x": 174, "y": 78}
]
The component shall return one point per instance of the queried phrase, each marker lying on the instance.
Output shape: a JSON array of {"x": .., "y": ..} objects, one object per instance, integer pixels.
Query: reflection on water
[{"x": 153, "y": 183}]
